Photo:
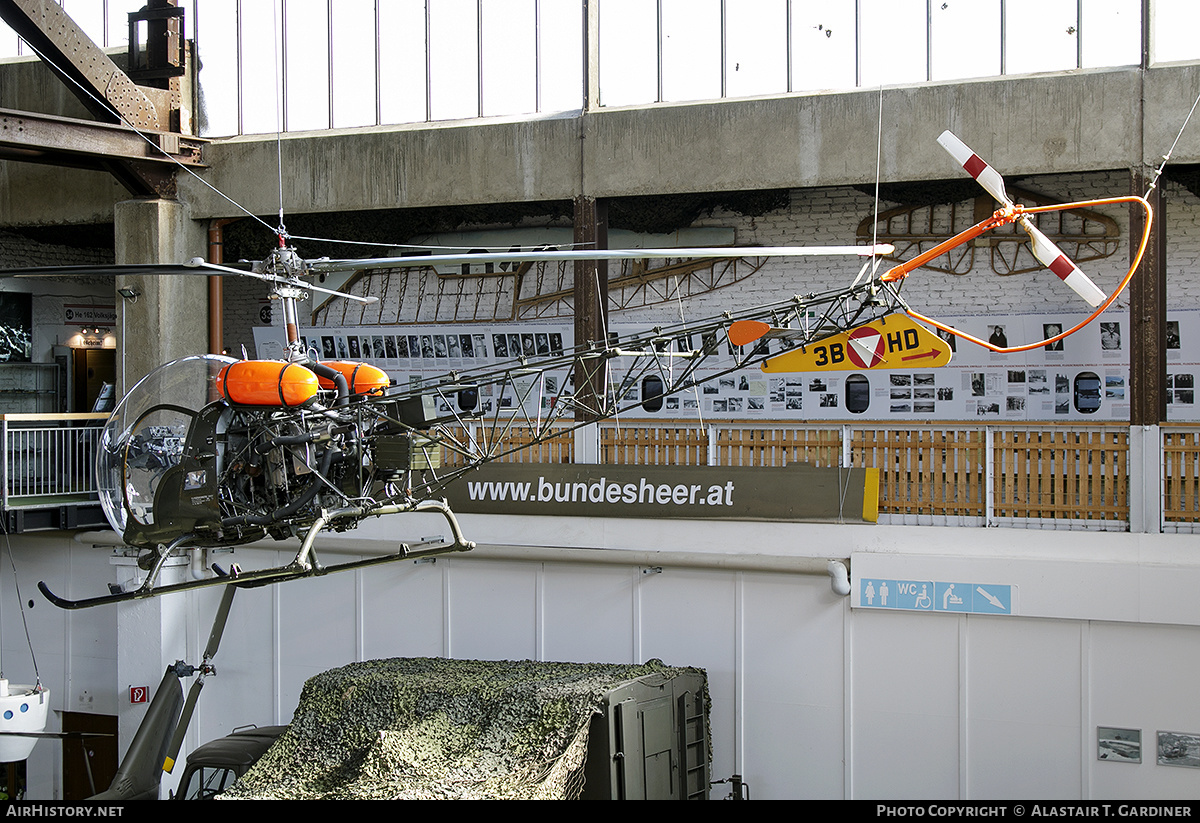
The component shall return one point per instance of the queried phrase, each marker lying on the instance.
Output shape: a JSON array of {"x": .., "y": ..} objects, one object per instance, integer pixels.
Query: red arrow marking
[{"x": 922, "y": 355}]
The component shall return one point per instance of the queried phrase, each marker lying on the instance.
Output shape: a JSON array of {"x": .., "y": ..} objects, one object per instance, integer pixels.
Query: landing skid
[{"x": 302, "y": 566}]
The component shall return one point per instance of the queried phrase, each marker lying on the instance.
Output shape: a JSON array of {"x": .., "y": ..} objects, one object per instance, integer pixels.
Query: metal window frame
[{"x": 590, "y": 56}]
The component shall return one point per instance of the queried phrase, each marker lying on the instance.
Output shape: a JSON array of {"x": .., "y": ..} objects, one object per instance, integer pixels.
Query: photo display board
[{"x": 1084, "y": 377}]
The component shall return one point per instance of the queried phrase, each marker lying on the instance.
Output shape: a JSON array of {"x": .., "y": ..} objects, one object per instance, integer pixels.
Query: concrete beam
[
  {"x": 36, "y": 195},
  {"x": 1170, "y": 93},
  {"x": 439, "y": 164},
  {"x": 28, "y": 85},
  {"x": 1024, "y": 125},
  {"x": 1037, "y": 124}
]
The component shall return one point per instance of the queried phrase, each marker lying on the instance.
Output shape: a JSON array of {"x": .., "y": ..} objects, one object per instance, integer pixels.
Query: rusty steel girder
[{"x": 143, "y": 163}]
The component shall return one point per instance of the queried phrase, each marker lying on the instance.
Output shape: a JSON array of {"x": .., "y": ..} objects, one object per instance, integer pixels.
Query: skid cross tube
[{"x": 302, "y": 565}]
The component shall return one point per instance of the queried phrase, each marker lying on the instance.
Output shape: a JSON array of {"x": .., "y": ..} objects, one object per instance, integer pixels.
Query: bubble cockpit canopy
[{"x": 146, "y": 434}]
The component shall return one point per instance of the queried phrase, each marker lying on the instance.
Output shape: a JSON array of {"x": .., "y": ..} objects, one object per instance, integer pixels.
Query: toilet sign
[{"x": 935, "y": 596}]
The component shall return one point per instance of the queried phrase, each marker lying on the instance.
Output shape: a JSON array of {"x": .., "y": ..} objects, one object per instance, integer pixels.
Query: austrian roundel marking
[{"x": 866, "y": 347}]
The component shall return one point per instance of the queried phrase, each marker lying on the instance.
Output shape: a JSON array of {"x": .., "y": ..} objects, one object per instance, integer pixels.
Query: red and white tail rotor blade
[
  {"x": 1047, "y": 253},
  {"x": 1050, "y": 256},
  {"x": 971, "y": 162}
]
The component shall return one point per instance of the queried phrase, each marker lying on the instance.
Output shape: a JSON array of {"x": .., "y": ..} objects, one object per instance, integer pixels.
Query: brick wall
[
  {"x": 831, "y": 217},
  {"x": 17, "y": 250}
]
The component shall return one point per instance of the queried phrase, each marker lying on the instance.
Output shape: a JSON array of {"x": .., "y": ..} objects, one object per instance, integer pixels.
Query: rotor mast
[{"x": 287, "y": 267}]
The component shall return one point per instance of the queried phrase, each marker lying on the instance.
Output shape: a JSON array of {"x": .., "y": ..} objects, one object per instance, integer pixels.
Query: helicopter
[{"x": 214, "y": 452}]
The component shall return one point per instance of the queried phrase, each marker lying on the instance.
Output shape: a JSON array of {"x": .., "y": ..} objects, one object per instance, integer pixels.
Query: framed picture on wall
[
  {"x": 16, "y": 327},
  {"x": 1179, "y": 749},
  {"x": 1115, "y": 745}
]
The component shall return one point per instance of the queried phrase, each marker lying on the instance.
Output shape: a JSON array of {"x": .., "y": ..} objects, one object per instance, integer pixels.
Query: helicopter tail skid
[
  {"x": 303, "y": 565},
  {"x": 1044, "y": 249},
  {"x": 1061, "y": 266}
]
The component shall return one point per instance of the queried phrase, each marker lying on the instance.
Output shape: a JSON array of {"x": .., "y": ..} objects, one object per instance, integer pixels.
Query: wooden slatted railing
[
  {"x": 517, "y": 442},
  {"x": 926, "y": 471},
  {"x": 777, "y": 445},
  {"x": 1062, "y": 473},
  {"x": 653, "y": 445},
  {"x": 1033, "y": 471},
  {"x": 955, "y": 470},
  {"x": 1181, "y": 474}
]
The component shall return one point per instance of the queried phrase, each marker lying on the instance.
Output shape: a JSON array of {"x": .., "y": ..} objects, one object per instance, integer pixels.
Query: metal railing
[
  {"x": 1181, "y": 477},
  {"x": 1035, "y": 475},
  {"x": 49, "y": 459},
  {"x": 1044, "y": 475}
]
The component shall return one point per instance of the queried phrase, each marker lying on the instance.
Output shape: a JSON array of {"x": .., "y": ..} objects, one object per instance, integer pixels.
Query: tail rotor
[
  {"x": 1044, "y": 249},
  {"x": 1052, "y": 258}
]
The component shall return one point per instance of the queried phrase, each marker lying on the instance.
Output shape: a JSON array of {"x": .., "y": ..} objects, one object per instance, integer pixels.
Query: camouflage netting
[{"x": 427, "y": 728}]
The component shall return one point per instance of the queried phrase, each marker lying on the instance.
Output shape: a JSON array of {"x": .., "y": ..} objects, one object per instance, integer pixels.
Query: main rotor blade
[
  {"x": 201, "y": 263},
  {"x": 210, "y": 651},
  {"x": 1050, "y": 256},
  {"x": 192, "y": 266},
  {"x": 597, "y": 254},
  {"x": 143, "y": 269},
  {"x": 984, "y": 174},
  {"x": 168, "y": 764},
  {"x": 195, "y": 267},
  {"x": 218, "y": 626}
]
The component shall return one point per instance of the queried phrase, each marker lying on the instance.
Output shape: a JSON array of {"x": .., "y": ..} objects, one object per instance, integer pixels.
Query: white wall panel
[
  {"x": 588, "y": 613},
  {"x": 493, "y": 609},
  {"x": 244, "y": 690},
  {"x": 1024, "y": 697},
  {"x": 318, "y": 620},
  {"x": 1142, "y": 677},
  {"x": 75, "y": 652},
  {"x": 904, "y": 740},
  {"x": 688, "y": 618},
  {"x": 403, "y": 611},
  {"x": 793, "y": 685},
  {"x": 811, "y": 698}
]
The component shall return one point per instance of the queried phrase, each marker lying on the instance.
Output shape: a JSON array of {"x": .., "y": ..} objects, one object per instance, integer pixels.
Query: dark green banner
[{"x": 796, "y": 493}]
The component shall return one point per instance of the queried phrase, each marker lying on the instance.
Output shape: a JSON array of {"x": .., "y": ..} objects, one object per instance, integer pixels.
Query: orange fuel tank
[
  {"x": 362, "y": 377},
  {"x": 267, "y": 383}
]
